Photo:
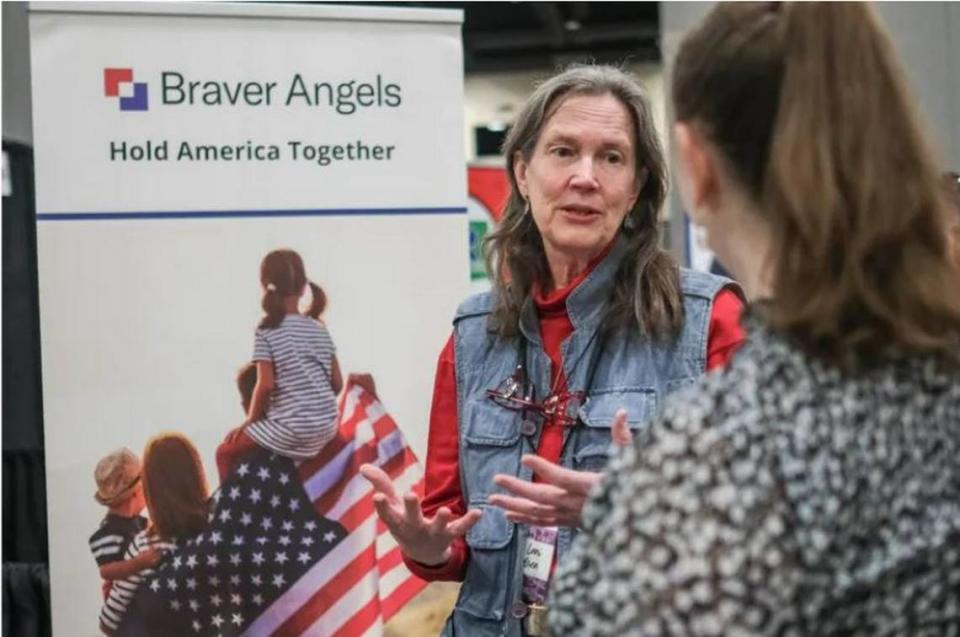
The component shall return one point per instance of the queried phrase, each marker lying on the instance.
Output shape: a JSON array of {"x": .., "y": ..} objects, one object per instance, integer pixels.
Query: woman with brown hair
[
  {"x": 588, "y": 316},
  {"x": 812, "y": 487},
  {"x": 175, "y": 488},
  {"x": 951, "y": 184}
]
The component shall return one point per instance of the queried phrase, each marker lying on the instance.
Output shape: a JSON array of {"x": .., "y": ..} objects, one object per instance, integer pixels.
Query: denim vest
[{"x": 632, "y": 372}]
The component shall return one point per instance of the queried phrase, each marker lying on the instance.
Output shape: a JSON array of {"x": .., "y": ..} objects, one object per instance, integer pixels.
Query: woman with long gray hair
[{"x": 588, "y": 318}]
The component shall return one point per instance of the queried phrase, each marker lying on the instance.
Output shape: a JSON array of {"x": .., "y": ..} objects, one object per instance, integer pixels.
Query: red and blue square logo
[{"x": 119, "y": 83}]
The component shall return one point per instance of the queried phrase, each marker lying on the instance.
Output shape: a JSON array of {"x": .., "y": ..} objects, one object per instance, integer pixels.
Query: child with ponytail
[{"x": 293, "y": 410}]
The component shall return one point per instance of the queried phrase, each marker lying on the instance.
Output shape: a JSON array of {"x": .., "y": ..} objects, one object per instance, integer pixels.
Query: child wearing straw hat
[{"x": 120, "y": 490}]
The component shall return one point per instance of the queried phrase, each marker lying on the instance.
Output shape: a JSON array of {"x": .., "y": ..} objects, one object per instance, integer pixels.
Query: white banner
[{"x": 176, "y": 145}]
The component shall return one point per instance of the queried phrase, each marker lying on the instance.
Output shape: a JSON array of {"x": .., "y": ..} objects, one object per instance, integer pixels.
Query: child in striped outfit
[
  {"x": 175, "y": 489},
  {"x": 120, "y": 490},
  {"x": 293, "y": 411}
]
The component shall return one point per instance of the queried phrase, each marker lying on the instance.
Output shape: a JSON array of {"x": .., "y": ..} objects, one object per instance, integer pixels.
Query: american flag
[{"x": 295, "y": 548}]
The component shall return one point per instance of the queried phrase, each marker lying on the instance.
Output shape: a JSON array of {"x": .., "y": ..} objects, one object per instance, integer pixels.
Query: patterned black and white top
[
  {"x": 778, "y": 496},
  {"x": 301, "y": 415}
]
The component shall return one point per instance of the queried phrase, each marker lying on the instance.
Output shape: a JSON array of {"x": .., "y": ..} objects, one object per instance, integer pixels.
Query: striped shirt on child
[
  {"x": 123, "y": 590},
  {"x": 301, "y": 413}
]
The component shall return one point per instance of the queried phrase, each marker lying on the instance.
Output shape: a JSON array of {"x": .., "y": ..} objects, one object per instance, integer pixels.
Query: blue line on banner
[{"x": 241, "y": 214}]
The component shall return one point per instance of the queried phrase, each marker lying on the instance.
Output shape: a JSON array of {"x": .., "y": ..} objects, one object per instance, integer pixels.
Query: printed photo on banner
[{"x": 236, "y": 308}]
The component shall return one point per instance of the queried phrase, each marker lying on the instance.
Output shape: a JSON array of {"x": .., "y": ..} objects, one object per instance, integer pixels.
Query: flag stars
[
  {"x": 172, "y": 584},
  {"x": 255, "y": 495},
  {"x": 191, "y": 583},
  {"x": 212, "y": 560},
  {"x": 246, "y": 519},
  {"x": 234, "y": 559},
  {"x": 235, "y": 599},
  {"x": 225, "y": 515},
  {"x": 197, "y": 626},
  {"x": 243, "y": 469},
  {"x": 310, "y": 526},
  {"x": 284, "y": 540},
  {"x": 235, "y": 580},
  {"x": 216, "y": 621},
  {"x": 174, "y": 604},
  {"x": 287, "y": 525},
  {"x": 194, "y": 605},
  {"x": 263, "y": 473},
  {"x": 281, "y": 557},
  {"x": 258, "y": 558},
  {"x": 216, "y": 600},
  {"x": 306, "y": 541},
  {"x": 216, "y": 537},
  {"x": 266, "y": 523},
  {"x": 283, "y": 478},
  {"x": 275, "y": 501},
  {"x": 214, "y": 580},
  {"x": 278, "y": 581},
  {"x": 191, "y": 561},
  {"x": 294, "y": 505},
  {"x": 234, "y": 493},
  {"x": 236, "y": 619},
  {"x": 237, "y": 540},
  {"x": 155, "y": 585},
  {"x": 256, "y": 580},
  {"x": 303, "y": 557},
  {"x": 177, "y": 562},
  {"x": 329, "y": 536},
  {"x": 258, "y": 599}
]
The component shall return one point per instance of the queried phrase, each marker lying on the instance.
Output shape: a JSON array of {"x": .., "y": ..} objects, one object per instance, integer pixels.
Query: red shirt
[{"x": 442, "y": 477}]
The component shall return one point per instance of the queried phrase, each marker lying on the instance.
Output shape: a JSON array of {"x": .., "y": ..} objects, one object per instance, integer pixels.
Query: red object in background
[{"x": 489, "y": 185}]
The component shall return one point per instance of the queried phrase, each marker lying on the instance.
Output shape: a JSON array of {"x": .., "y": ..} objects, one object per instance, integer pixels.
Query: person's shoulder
[
  {"x": 101, "y": 531},
  {"x": 705, "y": 285},
  {"x": 480, "y": 304},
  {"x": 119, "y": 525}
]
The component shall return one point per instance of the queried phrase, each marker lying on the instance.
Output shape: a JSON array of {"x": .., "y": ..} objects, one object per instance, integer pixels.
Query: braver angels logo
[{"x": 119, "y": 83}]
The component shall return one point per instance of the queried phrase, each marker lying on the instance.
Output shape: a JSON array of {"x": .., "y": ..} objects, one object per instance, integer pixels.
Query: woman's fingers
[
  {"x": 620, "y": 430},
  {"x": 387, "y": 512},
  {"x": 522, "y": 505},
  {"x": 439, "y": 522},
  {"x": 464, "y": 523},
  {"x": 379, "y": 479},
  {"x": 536, "y": 491},
  {"x": 519, "y": 518},
  {"x": 411, "y": 510},
  {"x": 579, "y": 482}
]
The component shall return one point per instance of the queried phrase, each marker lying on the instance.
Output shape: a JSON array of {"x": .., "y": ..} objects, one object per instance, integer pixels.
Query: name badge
[{"x": 537, "y": 560}]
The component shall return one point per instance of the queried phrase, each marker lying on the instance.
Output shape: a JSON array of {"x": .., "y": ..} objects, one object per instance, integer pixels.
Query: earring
[
  {"x": 526, "y": 209},
  {"x": 629, "y": 223}
]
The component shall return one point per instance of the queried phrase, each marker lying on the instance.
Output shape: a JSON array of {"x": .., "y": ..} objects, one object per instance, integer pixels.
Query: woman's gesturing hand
[
  {"x": 558, "y": 499},
  {"x": 425, "y": 540}
]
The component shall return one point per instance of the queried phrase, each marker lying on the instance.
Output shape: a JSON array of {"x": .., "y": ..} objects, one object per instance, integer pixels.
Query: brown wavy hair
[
  {"x": 647, "y": 289},
  {"x": 282, "y": 274},
  {"x": 807, "y": 105},
  {"x": 174, "y": 486}
]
